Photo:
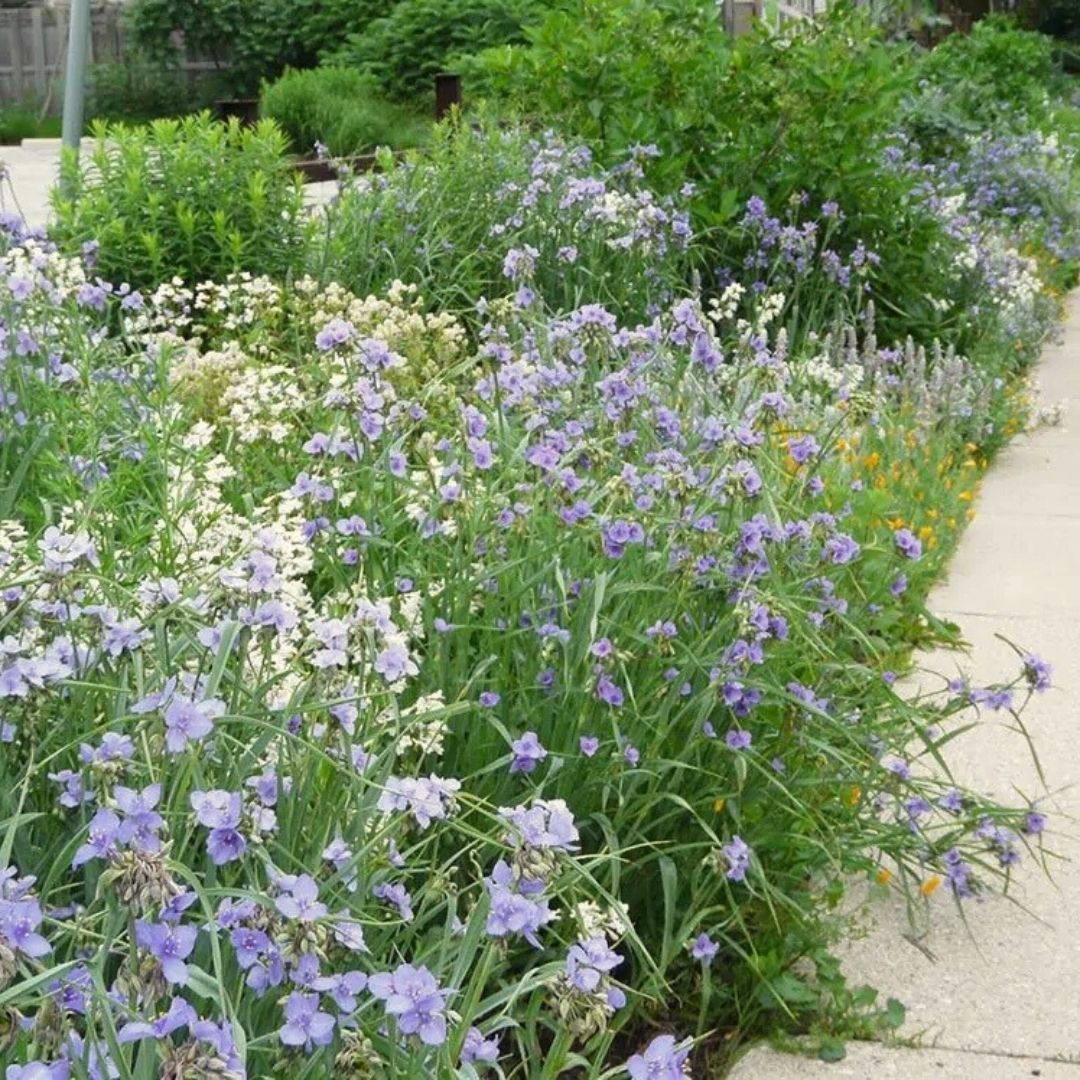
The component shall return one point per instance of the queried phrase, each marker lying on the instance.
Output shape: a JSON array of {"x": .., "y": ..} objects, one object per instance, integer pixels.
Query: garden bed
[{"x": 462, "y": 630}]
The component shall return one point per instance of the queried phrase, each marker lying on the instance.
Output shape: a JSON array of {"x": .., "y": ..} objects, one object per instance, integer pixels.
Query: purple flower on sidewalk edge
[
  {"x": 908, "y": 544},
  {"x": 663, "y": 1059}
]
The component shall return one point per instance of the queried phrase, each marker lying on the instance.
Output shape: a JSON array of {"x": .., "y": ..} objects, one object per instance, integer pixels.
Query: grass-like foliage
[{"x": 460, "y": 631}]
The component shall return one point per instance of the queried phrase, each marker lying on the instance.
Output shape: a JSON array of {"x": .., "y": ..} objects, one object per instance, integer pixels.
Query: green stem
[{"x": 556, "y": 1056}]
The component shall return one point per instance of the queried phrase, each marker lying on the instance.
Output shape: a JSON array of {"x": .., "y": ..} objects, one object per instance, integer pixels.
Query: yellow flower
[
  {"x": 965, "y": 496},
  {"x": 854, "y": 795},
  {"x": 930, "y": 885},
  {"x": 719, "y": 804},
  {"x": 884, "y": 876}
]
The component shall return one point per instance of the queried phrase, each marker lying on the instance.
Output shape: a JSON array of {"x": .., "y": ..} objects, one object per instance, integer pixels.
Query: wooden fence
[{"x": 33, "y": 50}]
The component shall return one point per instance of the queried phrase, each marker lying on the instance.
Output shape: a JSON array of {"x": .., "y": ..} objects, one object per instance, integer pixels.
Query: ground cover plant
[{"x": 467, "y": 643}]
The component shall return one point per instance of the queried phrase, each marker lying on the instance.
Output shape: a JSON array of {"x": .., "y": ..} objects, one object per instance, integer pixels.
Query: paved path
[
  {"x": 32, "y": 169},
  {"x": 1001, "y": 1000}
]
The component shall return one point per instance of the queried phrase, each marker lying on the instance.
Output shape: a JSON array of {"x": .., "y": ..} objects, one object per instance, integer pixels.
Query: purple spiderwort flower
[
  {"x": 608, "y": 692},
  {"x": 413, "y": 997},
  {"x": 305, "y": 1024},
  {"x": 141, "y": 821},
  {"x": 301, "y": 900},
  {"x": 19, "y": 922},
  {"x": 588, "y": 744},
  {"x": 1037, "y": 672},
  {"x": 737, "y": 853},
  {"x": 190, "y": 721},
  {"x": 102, "y": 838},
  {"x": 170, "y": 944},
  {"x": 663, "y": 1059},
  {"x": 220, "y": 811},
  {"x": 528, "y": 753},
  {"x": 180, "y": 1014},
  {"x": 703, "y": 948},
  {"x": 908, "y": 544},
  {"x": 738, "y": 740},
  {"x": 515, "y": 907},
  {"x": 476, "y": 1048}
]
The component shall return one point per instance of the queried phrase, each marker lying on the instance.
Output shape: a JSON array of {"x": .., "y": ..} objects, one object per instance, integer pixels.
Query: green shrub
[
  {"x": 805, "y": 116},
  {"x": 996, "y": 71},
  {"x": 340, "y": 108},
  {"x": 24, "y": 121},
  {"x": 420, "y": 38},
  {"x": 332, "y": 21},
  {"x": 616, "y": 73},
  {"x": 249, "y": 40},
  {"x": 190, "y": 197},
  {"x": 139, "y": 89}
]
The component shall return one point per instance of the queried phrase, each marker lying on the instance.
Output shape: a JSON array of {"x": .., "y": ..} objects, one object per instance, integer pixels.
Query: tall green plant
[{"x": 192, "y": 197}]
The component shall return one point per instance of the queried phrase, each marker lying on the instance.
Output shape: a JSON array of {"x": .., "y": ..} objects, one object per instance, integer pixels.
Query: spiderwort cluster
[{"x": 383, "y": 690}]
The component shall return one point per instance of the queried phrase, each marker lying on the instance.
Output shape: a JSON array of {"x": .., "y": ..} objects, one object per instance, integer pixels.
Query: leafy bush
[
  {"x": 250, "y": 40},
  {"x": 189, "y": 196},
  {"x": 137, "y": 90},
  {"x": 491, "y": 212},
  {"x": 616, "y": 73},
  {"x": 419, "y": 38},
  {"x": 995, "y": 72},
  {"x": 807, "y": 116},
  {"x": 18, "y": 122},
  {"x": 340, "y": 108},
  {"x": 329, "y": 23}
]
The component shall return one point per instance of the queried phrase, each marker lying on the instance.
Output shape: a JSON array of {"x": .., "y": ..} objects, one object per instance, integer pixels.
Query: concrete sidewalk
[
  {"x": 1001, "y": 996},
  {"x": 32, "y": 171}
]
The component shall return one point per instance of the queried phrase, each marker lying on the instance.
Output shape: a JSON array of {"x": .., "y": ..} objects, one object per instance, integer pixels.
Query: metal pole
[{"x": 75, "y": 78}]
